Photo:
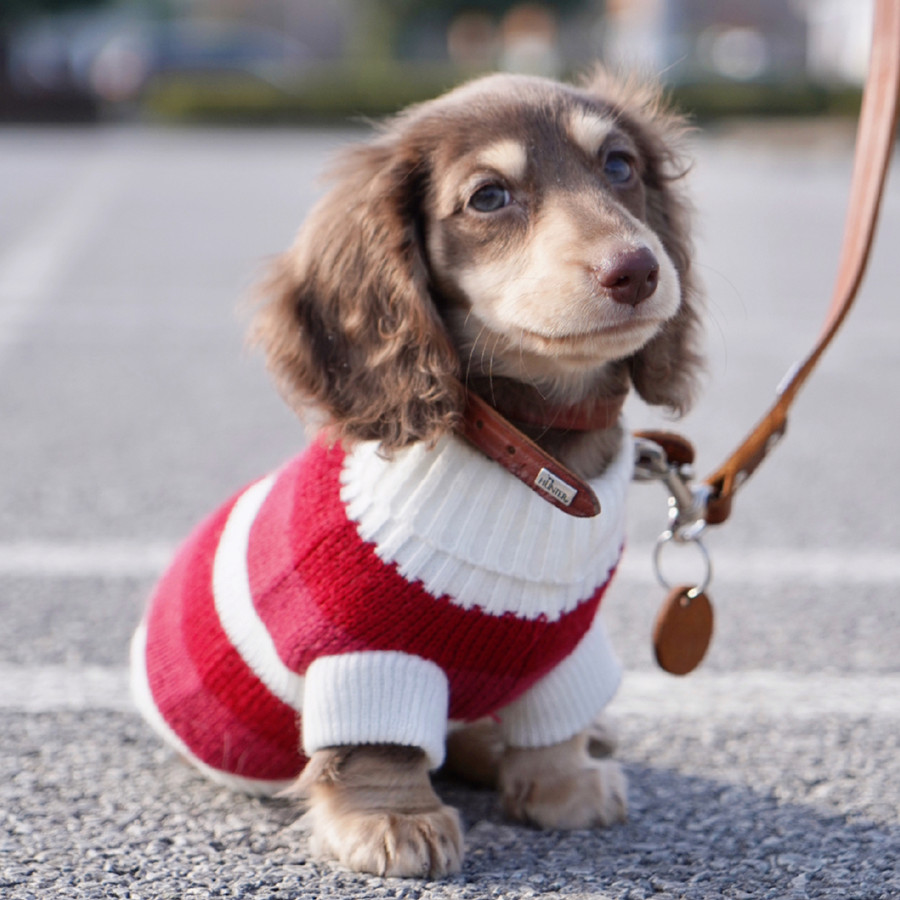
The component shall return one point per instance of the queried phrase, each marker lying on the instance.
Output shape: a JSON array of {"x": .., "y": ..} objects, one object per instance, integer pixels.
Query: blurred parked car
[{"x": 114, "y": 56}]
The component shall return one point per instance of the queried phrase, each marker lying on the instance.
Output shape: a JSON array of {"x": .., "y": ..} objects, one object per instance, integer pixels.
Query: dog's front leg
[
  {"x": 562, "y": 786},
  {"x": 372, "y": 807}
]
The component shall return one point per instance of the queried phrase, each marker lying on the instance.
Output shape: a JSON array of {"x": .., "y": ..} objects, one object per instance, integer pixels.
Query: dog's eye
[
  {"x": 618, "y": 167},
  {"x": 490, "y": 198}
]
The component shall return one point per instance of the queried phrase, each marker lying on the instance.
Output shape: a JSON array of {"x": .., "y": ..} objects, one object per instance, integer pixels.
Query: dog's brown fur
[
  {"x": 373, "y": 808},
  {"x": 401, "y": 287}
]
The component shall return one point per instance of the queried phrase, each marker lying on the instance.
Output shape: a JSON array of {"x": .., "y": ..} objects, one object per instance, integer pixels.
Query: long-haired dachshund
[{"x": 392, "y": 599}]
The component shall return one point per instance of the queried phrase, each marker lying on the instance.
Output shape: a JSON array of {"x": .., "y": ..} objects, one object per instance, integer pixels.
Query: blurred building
[{"x": 694, "y": 40}]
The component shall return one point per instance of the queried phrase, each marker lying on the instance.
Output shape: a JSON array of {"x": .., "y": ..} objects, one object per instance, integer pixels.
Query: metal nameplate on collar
[{"x": 553, "y": 485}]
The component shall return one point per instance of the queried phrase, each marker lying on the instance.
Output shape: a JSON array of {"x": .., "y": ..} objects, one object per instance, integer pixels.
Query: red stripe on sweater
[{"x": 203, "y": 689}]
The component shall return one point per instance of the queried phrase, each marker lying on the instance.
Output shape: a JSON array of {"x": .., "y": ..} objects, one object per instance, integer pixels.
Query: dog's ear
[
  {"x": 347, "y": 322},
  {"x": 664, "y": 372}
]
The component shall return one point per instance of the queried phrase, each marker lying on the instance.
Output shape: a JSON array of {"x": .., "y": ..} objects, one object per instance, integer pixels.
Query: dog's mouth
[
  {"x": 609, "y": 341},
  {"x": 522, "y": 352}
]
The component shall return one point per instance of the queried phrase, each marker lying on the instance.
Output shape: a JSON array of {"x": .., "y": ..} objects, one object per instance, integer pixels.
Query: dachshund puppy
[{"x": 517, "y": 238}]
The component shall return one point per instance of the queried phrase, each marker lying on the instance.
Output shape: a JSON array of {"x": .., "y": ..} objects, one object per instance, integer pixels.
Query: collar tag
[{"x": 554, "y": 486}]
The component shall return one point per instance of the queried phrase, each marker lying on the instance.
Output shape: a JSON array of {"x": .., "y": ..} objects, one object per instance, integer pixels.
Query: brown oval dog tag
[{"x": 683, "y": 630}]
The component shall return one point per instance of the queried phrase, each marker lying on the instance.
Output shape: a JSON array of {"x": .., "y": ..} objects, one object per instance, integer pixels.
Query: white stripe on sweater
[
  {"x": 234, "y": 600},
  {"x": 463, "y": 526}
]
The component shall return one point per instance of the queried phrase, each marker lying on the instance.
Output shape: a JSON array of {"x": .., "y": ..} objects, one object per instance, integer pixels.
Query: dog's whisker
[{"x": 471, "y": 354}]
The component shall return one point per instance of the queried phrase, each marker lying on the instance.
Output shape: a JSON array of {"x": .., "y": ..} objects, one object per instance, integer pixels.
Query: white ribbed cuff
[
  {"x": 568, "y": 698},
  {"x": 376, "y": 697}
]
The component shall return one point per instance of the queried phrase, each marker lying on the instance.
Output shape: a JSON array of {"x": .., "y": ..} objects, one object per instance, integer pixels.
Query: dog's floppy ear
[
  {"x": 666, "y": 370},
  {"x": 347, "y": 321}
]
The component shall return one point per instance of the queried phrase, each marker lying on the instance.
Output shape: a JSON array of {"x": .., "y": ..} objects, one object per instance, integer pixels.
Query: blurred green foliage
[
  {"x": 328, "y": 93},
  {"x": 339, "y": 94},
  {"x": 718, "y": 99}
]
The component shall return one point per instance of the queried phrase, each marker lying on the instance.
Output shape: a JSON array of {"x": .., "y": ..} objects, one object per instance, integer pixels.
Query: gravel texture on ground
[{"x": 93, "y": 807}]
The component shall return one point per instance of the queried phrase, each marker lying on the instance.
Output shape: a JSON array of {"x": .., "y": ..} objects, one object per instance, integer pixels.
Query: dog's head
[{"x": 513, "y": 228}]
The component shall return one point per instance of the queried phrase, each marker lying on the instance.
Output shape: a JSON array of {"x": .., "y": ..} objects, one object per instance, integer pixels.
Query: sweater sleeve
[
  {"x": 568, "y": 698},
  {"x": 376, "y": 697}
]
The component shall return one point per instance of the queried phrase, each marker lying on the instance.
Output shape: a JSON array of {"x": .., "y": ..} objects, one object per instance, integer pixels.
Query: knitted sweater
[{"x": 353, "y": 599}]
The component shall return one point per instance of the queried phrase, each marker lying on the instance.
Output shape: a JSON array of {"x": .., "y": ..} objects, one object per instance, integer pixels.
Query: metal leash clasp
[{"x": 687, "y": 506}]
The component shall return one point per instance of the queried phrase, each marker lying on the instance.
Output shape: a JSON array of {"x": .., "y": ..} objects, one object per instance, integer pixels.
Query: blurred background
[
  {"x": 129, "y": 409},
  {"x": 266, "y": 61}
]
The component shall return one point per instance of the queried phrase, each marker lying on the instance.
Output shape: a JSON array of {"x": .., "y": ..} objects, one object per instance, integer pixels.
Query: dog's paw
[
  {"x": 418, "y": 845},
  {"x": 374, "y": 810},
  {"x": 562, "y": 787}
]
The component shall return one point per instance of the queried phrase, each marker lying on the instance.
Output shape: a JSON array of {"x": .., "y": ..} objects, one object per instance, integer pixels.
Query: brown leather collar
[
  {"x": 540, "y": 413},
  {"x": 499, "y": 439}
]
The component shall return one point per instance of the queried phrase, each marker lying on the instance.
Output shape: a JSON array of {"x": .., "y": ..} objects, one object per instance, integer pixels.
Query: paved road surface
[{"x": 129, "y": 409}]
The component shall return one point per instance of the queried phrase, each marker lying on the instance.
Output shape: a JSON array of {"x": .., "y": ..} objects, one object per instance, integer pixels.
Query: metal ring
[{"x": 665, "y": 538}]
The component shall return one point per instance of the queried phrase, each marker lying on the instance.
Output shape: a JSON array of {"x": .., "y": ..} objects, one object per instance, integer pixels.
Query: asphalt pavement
[{"x": 129, "y": 408}]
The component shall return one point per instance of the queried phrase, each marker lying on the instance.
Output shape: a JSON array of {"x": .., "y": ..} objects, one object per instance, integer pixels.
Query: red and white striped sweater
[{"x": 352, "y": 599}]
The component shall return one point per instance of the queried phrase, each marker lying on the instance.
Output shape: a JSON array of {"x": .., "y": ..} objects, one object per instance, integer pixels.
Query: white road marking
[
  {"x": 772, "y": 565},
  {"x": 36, "y": 689},
  {"x": 758, "y": 566},
  {"x": 653, "y": 694},
  {"x": 101, "y": 559},
  {"x": 33, "y": 267},
  {"x": 719, "y": 695}
]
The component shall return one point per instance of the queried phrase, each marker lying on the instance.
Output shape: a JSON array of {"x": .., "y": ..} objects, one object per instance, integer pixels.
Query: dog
[{"x": 519, "y": 239}]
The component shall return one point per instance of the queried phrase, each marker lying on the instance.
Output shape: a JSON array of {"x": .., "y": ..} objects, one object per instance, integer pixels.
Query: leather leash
[
  {"x": 684, "y": 625},
  {"x": 874, "y": 143}
]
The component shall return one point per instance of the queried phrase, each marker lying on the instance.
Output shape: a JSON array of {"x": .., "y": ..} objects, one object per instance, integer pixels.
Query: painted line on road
[
  {"x": 36, "y": 689},
  {"x": 773, "y": 565},
  {"x": 33, "y": 267},
  {"x": 791, "y": 695},
  {"x": 652, "y": 694},
  {"x": 763, "y": 566},
  {"x": 102, "y": 559}
]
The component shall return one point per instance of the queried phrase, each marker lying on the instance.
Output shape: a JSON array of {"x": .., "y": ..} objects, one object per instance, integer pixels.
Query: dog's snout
[{"x": 629, "y": 277}]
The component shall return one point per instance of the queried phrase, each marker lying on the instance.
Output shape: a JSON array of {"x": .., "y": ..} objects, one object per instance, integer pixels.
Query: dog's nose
[{"x": 629, "y": 277}]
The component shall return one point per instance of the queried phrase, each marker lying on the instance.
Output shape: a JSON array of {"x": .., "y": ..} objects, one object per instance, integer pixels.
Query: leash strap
[{"x": 874, "y": 144}]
